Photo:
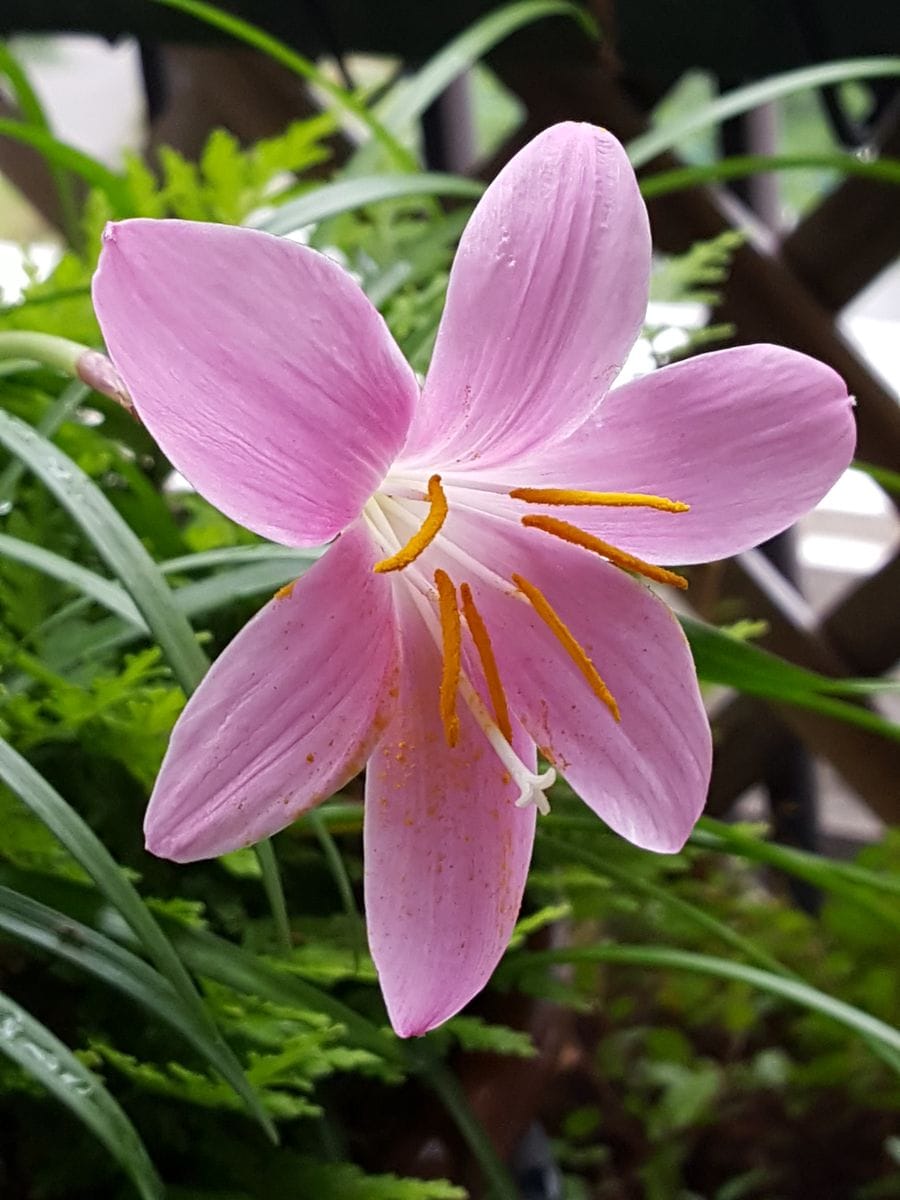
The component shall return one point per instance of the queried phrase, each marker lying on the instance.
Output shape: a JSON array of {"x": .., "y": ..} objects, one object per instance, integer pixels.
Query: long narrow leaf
[
  {"x": 657, "y": 141},
  {"x": 53, "y": 1065},
  {"x": 271, "y": 566},
  {"x": 60, "y": 153},
  {"x": 66, "y": 403},
  {"x": 32, "y": 110},
  {"x": 348, "y": 194},
  {"x": 881, "y": 170},
  {"x": 844, "y": 879},
  {"x": 253, "y": 36},
  {"x": 635, "y": 882},
  {"x": 208, "y": 956},
  {"x": 664, "y": 957},
  {"x": 104, "y": 591},
  {"x": 64, "y": 937},
  {"x": 87, "y": 849},
  {"x": 48, "y": 297},
  {"x": 120, "y": 548},
  {"x": 216, "y": 959},
  {"x": 726, "y": 660},
  {"x": 193, "y": 600},
  {"x": 229, "y": 556},
  {"x": 408, "y": 100}
]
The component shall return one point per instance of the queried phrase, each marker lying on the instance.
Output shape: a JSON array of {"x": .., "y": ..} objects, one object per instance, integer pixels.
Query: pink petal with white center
[
  {"x": 546, "y": 298},
  {"x": 645, "y": 775},
  {"x": 287, "y": 714},
  {"x": 260, "y": 368},
  {"x": 751, "y": 438},
  {"x": 446, "y": 850}
]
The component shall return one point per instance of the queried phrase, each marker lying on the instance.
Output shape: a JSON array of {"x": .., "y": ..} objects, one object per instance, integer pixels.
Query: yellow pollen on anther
[
  {"x": 568, "y": 641},
  {"x": 600, "y": 499},
  {"x": 619, "y": 558},
  {"x": 424, "y": 535},
  {"x": 451, "y": 639},
  {"x": 482, "y": 640}
]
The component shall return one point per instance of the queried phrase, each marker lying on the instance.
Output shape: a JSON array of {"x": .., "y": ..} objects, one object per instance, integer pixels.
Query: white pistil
[{"x": 532, "y": 786}]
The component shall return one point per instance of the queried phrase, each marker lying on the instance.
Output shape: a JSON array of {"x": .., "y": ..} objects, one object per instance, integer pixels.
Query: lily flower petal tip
[{"x": 486, "y": 594}]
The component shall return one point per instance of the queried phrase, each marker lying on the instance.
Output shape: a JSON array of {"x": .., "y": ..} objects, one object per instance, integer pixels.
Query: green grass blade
[
  {"x": 657, "y": 141},
  {"x": 194, "y": 600},
  {"x": 68, "y": 401},
  {"x": 786, "y": 988},
  {"x": 63, "y": 937},
  {"x": 210, "y": 957},
  {"x": 343, "y": 100},
  {"x": 106, "y": 593},
  {"x": 881, "y": 170},
  {"x": 49, "y": 297},
  {"x": 708, "y": 924},
  {"x": 32, "y": 110},
  {"x": 345, "y": 195},
  {"x": 341, "y": 877},
  {"x": 63, "y": 155},
  {"x": 268, "y": 865},
  {"x": 51, "y": 1064},
  {"x": 119, "y": 547},
  {"x": 218, "y": 591},
  {"x": 269, "y": 567},
  {"x": 844, "y": 879},
  {"x": 229, "y": 556},
  {"x": 87, "y": 849},
  {"x": 727, "y": 660},
  {"x": 635, "y": 882},
  {"x": 409, "y": 100}
]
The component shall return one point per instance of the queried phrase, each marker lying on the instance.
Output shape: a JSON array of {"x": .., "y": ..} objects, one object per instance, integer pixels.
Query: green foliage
[{"x": 697, "y": 274}]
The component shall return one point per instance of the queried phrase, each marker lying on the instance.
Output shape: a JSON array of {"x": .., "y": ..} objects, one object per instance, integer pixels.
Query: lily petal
[
  {"x": 751, "y": 438},
  {"x": 287, "y": 714},
  {"x": 546, "y": 298},
  {"x": 645, "y": 775},
  {"x": 261, "y": 369},
  {"x": 446, "y": 850}
]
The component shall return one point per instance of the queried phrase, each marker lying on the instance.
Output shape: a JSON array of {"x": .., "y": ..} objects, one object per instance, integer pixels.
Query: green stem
[
  {"x": 342, "y": 882},
  {"x": 265, "y": 856},
  {"x": 446, "y": 1087},
  {"x": 56, "y": 352}
]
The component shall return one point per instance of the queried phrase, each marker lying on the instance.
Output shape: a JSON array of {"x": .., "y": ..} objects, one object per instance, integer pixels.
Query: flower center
[{"x": 396, "y": 520}]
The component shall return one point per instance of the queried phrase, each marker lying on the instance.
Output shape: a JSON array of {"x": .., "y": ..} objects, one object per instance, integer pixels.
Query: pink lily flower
[{"x": 483, "y": 596}]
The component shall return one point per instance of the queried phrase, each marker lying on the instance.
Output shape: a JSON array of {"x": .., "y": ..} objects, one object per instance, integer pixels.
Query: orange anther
[
  {"x": 600, "y": 499},
  {"x": 424, "y": 535},
  {"x": 451, "y": 637},
  {"x": 619, "y": 558},
  {"x": 568, "y": 641},
  {"x": 482, "y": 640}
]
